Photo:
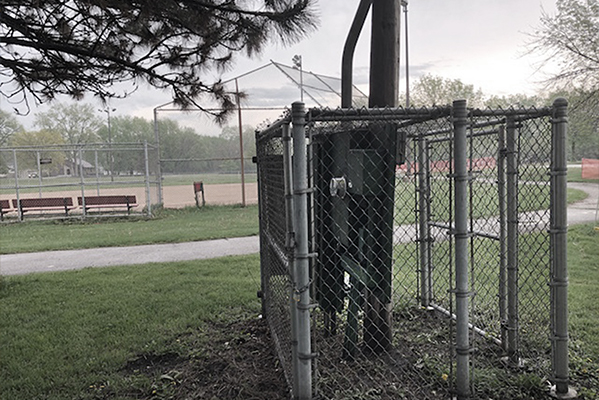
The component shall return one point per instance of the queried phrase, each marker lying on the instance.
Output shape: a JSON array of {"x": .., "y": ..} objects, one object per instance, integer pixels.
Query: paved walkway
[{"x": 18, "y": 264}]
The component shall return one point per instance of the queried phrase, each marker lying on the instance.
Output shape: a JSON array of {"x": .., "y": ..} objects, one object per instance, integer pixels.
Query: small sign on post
[
  {"x": 45, "y": 161},
  {"x": 198, "y": 187}
]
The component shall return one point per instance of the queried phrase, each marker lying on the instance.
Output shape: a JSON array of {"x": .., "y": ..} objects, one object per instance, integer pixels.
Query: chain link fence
[
  {"x": 436, "y": 252},
  {"x": 78, "y": 180}
]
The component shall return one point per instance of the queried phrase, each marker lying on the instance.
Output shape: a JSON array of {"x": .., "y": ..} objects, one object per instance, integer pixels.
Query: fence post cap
[{"x": 560, "y": 102}]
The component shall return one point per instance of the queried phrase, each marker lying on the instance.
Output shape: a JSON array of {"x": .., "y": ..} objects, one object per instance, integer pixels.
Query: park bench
[
  {"x": 4, "y": 208},
  {"x": 42, "y": 204},
  {"x": 108, "y": 201}
]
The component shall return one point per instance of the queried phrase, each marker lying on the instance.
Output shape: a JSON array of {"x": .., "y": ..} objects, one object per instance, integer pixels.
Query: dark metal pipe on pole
[{"x": 347, "y": 59}]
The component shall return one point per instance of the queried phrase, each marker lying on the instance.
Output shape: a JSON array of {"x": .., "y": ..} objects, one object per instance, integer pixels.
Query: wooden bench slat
[
  {"x": 44, "y": 203},
  {"x": 107, "y": 201}
]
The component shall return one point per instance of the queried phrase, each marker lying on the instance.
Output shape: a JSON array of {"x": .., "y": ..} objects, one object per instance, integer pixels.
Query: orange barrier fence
[{"x": 590, "y": 168}]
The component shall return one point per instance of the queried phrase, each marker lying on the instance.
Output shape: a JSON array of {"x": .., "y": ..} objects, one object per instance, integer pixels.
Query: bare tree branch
[{"x": 569, "y": 40}]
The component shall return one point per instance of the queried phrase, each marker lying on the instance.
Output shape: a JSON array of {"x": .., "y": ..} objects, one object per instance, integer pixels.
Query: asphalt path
[
  {"x": 19, "y": 264},
  {"x": 62, "y": 260}
]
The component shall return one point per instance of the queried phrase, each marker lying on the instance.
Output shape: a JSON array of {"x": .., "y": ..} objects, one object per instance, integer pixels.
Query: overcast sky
[{"x": 480, "y": 42}]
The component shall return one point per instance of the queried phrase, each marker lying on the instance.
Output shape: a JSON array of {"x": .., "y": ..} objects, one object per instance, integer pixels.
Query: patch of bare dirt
[{"x": 223, "y": 361}]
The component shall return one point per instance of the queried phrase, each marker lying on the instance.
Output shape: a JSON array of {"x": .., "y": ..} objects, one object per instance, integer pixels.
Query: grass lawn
[
  {"x": 81, "y": 334},
  {"x": 168, "y": 226},
  {"x": 71, "y": 335},
  {"x": 583, "y": 298}
]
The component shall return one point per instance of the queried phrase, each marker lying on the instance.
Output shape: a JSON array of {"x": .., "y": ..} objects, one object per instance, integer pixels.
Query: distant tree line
[
  {"x": 583, "y": 113},
  {"x": 184, "y": 150}
]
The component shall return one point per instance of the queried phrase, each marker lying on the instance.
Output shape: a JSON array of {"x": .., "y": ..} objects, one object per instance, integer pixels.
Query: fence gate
[{"x": 424, "y": 250}]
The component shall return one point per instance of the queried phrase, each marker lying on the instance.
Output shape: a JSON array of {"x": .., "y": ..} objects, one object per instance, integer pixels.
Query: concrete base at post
[{"x": 570, "y": 394}]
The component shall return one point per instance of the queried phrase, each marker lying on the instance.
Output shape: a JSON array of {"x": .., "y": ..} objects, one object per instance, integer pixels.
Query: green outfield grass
[{"x": 167, "y": 226}]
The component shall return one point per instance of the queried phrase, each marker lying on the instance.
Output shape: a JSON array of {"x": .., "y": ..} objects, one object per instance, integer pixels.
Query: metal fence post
[
  {"x": 290, "y": 248},
  {"x": 158, "y": 166},
  {"x": 301, "y": 270},
  {"x": 512, "y": 243},
  {"x": 559, "y": 267},
  {"x": 288, "y": 184},
  {"x": 501, "y": 154},
  {"x": 423, "y": 219},
  {"x": 82, "y": 180},
  {"x": 39, "y": 172},
  {"x": 97, "y": 172},
  {"x": 462, "y": 293},
  {"x": 17, "y": 191}
]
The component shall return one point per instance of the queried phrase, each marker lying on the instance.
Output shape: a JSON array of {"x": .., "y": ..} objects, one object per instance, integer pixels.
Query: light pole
[
  {"x": 108, "y": 110},
  {"x": 297, "y": 63}
]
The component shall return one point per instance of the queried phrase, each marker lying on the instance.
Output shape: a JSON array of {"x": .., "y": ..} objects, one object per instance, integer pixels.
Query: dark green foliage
[{"x": 72, "y": 47}]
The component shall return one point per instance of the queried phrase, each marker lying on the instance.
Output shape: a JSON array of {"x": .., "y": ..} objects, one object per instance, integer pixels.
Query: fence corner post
[
  {"x": 559, "y": 259},
  {"x": 301, "y": 268},
  {"x": 462, "y": 292}
]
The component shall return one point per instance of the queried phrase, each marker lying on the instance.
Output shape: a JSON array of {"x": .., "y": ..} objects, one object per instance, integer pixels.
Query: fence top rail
[
  {"x": 522, "y": 112},
  {"x": 86, "y": 146},
  {"x": 326, "y": 114},
  {"x": 410, "y": 116},
  {"x": 416, "y": 114},
  {"x": 273, "y": 129}
]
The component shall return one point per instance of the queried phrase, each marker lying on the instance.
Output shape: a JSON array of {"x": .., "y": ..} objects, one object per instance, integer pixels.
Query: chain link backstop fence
[
  {"x": 429, "y": 262},
  {"x": 78, "y": 180}
]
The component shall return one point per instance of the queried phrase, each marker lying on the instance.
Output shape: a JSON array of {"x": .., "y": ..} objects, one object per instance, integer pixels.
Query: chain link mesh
[
  {"x": 274, "y": 251},
  {"x": 382, "y": 229}
]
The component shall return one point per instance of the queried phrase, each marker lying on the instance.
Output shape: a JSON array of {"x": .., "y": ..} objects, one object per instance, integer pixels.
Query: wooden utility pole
[
  {"x": 384, "y": 53},
  {"x": 384, "y": 91}
]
